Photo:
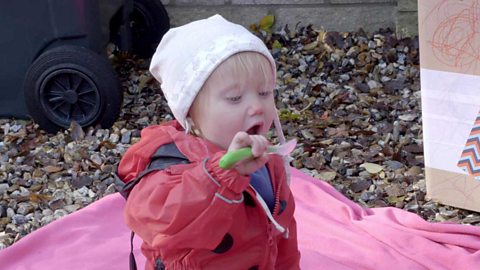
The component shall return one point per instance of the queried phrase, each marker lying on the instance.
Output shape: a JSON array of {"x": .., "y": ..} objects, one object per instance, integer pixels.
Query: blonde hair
[{"x": 241, "y": 64}]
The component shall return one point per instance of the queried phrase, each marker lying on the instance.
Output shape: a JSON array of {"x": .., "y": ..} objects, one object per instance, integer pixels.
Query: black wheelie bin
[{"x": 54, "y": 67}]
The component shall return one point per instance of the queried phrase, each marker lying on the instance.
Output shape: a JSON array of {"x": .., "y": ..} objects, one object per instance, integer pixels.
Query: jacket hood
[{"x": 137, "y": 157}]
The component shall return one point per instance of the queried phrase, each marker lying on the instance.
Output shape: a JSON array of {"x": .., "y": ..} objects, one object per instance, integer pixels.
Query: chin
[{"x": 224, "y": 146}]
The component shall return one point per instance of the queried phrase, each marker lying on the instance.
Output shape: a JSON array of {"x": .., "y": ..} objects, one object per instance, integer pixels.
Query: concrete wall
[
  {"x": 338, "y": 15},
  {"x": 407, "y": 17}
]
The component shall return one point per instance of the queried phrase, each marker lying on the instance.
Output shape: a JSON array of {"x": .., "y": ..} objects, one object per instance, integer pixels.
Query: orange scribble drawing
[{"x": 455, "y": 40}]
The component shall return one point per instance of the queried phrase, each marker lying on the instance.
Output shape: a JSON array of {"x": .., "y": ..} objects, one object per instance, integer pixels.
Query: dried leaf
[
  {"x": 277, "y": 45},
  {"x": 267, "y": 22},
  {"x": 393, "y": 85},
  {"x": 35, "y": 197},
  {"x": 76, "y": 131},
  {"x": 307, "y": 134},
  {"x": 107, "y": 144},
  {"x": 310, "y": 46},
  {"x": 372, "y": 167},
  {"x": 393, "y": 165},
  {"x": 327, "y": 176},
  {"x": 143, "y": 81},
  {"x": 360, "y": 185},
  {"x": 14, "y": 137},
  {"x": 334, "y": 39},
  {"x": 413, "y": 148},
  {"x": 395, "y": 190},
  {"x": 338, "y": 132},
  {"x": 408, "y": 117},
  {"x": 312, "y": 163},
  {"x": 414, "y": 171},
  {"x": 52, "y": 169},
  {"x": 394, "y": 200}
]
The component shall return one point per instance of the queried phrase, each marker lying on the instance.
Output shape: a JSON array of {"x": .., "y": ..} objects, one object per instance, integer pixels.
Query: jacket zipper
[
  {"x": 276, "y": 190},
  {"x": 270, "y": 240}
]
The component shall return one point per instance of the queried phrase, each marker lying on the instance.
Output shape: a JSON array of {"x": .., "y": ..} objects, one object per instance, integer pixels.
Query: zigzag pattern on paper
[{"x": 470, "y": 158}]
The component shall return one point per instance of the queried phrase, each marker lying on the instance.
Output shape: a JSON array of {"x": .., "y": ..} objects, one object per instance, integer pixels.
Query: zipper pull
[{"x": 270, "y": 234}]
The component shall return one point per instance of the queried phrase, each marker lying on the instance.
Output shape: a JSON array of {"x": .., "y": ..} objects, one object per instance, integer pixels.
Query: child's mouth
[{"x": 253, "y": 130}]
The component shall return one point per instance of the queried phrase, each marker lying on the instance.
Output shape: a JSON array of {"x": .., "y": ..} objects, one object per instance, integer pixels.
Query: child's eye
[
  {"x": 265, "y": 93},
  {"x": 234, "y": 99}
]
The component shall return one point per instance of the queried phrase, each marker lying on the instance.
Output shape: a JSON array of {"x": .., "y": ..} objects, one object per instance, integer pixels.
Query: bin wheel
[
  {"x": 148, "y": 21},
  {"x": 72, "y": 83}
]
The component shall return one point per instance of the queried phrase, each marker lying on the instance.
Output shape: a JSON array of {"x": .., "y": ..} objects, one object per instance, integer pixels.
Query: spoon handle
[{"x": 232, "y": 157}]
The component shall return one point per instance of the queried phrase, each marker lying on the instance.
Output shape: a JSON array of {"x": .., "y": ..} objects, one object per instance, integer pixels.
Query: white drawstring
[
  {"x": 278, "y": 127},
  {"x": 267, "y": 211},
  {"x": 188, "y": 126},
  {"x": 281, "y": 140}
]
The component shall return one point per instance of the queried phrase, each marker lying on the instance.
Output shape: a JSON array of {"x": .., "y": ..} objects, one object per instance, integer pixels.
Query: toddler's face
[{"x": 231, "y": 102}]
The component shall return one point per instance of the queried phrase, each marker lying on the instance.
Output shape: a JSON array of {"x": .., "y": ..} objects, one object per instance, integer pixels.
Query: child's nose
[{"x": 255, "y": 107}]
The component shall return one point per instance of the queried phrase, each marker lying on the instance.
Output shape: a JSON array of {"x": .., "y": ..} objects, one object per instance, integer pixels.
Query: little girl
[{"x": 218, "y": 79}]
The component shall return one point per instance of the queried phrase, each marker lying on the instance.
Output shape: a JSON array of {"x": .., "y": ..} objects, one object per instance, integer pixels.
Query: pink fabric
[
  {"x": 336, "y": 233},
  {"x": 333, "y": 233},
  {"x": 92, "y": 238}
]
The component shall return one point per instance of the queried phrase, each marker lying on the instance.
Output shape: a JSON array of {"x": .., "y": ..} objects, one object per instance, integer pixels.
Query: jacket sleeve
[
  {"x": 186, "y": 206},
  {"x": 288, "y": 255}
]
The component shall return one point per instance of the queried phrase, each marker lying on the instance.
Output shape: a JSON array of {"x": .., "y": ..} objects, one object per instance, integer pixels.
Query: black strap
[
  {"x": 165, "y": 156},
  {"x": 133, "y": 263},
  {"x": 159, "y": 264}
]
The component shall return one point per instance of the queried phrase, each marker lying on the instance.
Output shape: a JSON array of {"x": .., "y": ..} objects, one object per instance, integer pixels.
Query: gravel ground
[{"x": 351, "y": 99}]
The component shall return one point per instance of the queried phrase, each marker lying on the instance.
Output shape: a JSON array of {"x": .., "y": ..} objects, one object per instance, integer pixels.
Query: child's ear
[
  {"x": 190, "y": 121},
  {"x": 191, "y": 125}
]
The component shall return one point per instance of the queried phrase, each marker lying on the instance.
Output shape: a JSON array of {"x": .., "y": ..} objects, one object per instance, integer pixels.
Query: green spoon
[{"x": 232, "y": 157}]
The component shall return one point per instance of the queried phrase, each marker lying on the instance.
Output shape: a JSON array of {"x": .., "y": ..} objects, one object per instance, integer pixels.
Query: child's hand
[{"x": 259, "y": 145}]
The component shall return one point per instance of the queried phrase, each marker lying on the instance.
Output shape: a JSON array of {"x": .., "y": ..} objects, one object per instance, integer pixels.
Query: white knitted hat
[{"x": 188, "y": 54}]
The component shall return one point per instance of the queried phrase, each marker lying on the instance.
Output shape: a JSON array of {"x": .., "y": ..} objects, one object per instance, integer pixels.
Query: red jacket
[{"x": 198, "y": 216}]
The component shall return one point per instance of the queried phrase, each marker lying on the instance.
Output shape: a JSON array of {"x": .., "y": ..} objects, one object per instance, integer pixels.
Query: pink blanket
[{"x": 333, "y": 233}]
